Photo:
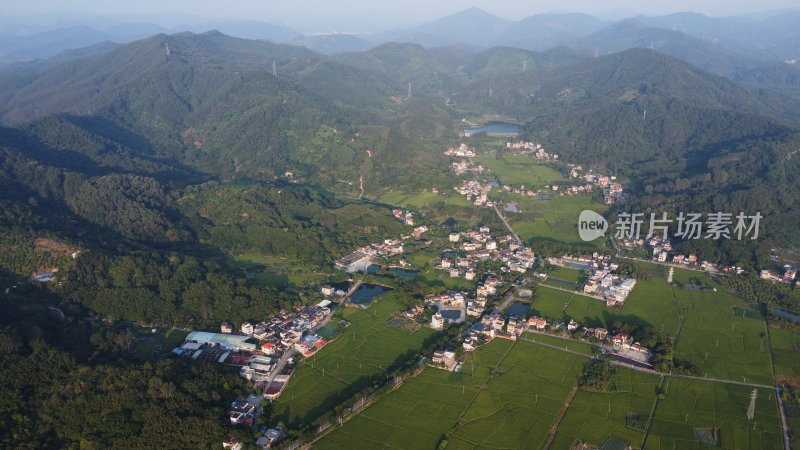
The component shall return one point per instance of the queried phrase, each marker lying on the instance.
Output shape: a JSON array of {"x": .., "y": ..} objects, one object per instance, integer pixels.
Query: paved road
[
  {"x": 787, "y": 440},
  {"x": 279, "y": 367}
]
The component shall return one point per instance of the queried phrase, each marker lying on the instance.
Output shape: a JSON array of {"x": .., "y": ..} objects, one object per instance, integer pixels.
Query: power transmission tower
[
  {"x": 274, "y": 70},
  {"x": 409, "y": 90},
  {"x": 751, "y": 410}
]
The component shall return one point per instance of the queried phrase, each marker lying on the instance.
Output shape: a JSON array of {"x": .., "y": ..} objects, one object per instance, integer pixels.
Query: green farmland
[
  {"x": 721, "y": 408},
  {"x": 366, "y": 348},
  {"x": 594, "y": 417},
  {"x": 520, "y": 170}
]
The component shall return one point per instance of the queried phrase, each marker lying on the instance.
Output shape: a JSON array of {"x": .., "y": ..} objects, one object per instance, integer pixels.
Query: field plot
[
  {"x": 652, "y": 303},
  {"x": 414, "y": 416},
  {"x": 554, "y": 220},
  {"x": 785, "y": 353},
  {"x": 724, "y": 337},
  {"x": 590, "y": 312},
  {"x": 420, "y": 199},
  {"x": 564, "y": 278},
  {"x": 550, "y": 303},
  {"x": 594, "y": 417},
  {"x": 568, "y": 344},
  {"x": 421, "y": 411},
  {"x": 717, "y": 413},
  {"x": 519, "y": 403},
  {"x": 364, "y": 349},
  {"x": 520, "y": 170}
]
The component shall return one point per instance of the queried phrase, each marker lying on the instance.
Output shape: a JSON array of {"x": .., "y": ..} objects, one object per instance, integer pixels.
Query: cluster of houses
[
  {"x": 662, "y": 251},
  {"x": 362, "y": 257},
  {"x": 290, "y": 330},
  {"x": 407, "y": 217},
  {"x": 476, "y": 192},
  {"x": 603, "y": 282},
  {"x": 465, "y": 167},
  {"x": 462, "y": 150},
  {"x": 613, "y": 191},
  {"x": 255, "y": 350},
  {"x": 452, "y": 307},
  {"x": 478, "y": 246},
  {"x": 609, "y": 286},
  {"x": 244, "y": 411},
  {"x": 267, "y": 438},
  {"x": 533, "y": 149},
  {"x": 788, "y": 276}
]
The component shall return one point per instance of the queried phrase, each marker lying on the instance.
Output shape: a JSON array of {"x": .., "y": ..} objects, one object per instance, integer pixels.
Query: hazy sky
[{"x": 380, "y": 14}]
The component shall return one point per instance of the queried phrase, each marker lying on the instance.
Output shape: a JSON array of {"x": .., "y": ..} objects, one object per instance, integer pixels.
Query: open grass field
[
  {"x": 365, "y": 348},
  {"x": 520, "y": 402},
  {"x": 555, "y": 219},
  {"x": 690, "y": 404},
  {"x": 593, "y": 417},
  {"x": 520, "y": 170}
]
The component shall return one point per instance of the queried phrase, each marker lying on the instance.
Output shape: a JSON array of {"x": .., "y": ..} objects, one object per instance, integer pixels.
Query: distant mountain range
[{"x": 194, "y": 107}]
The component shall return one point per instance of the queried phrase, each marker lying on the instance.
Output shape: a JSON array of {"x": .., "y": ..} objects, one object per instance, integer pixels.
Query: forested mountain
[
  {"x": 138, "y": 126},
  {"x": 687, "y": 139},
  {"x": 146, "y": 176}
]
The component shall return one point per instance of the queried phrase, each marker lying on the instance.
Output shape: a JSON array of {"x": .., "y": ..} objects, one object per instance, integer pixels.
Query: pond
[
  {"x": 494, "y": 129},
  {"x": 373, "y": 268},
  {"x": 328, "y": 331},
  {"x": 564, "y": 283},
  {"x": 366, "y": 292},
  {"x": 519, "y": 309},
  {"x": 395, "y": 323},
  {"x": 450, "y": 314},
  {"x": 576, "y": 265},
  {"x": 786, "y": 315},
  {"x": 403, "y": 273}
]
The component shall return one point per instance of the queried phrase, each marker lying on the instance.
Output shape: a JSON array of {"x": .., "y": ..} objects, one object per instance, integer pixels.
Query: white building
[{"x": 437, "y": 321}]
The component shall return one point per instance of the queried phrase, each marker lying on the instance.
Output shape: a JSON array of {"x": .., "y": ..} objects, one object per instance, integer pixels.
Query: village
[{"x": 496, "y": 262}]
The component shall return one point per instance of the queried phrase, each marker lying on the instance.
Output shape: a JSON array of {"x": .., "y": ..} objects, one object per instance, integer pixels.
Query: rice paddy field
[
  {"x": 365, "y": 348},
  {"x": 594, "y": 417},
  {"x": 724, "y": 337},
  {"x": 554, "y": 220},
  {"x": 785, "y": 352},
  {"x": 550, "y": 303},
  {"x": 519, "y": 403},
  {"x": 414, "y": 416},
  {"x": 700, "y": 410},
  {"x": 520, "y": 170}
]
